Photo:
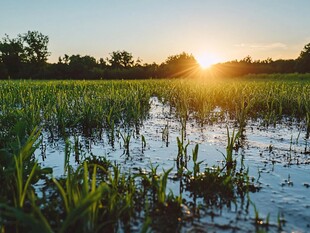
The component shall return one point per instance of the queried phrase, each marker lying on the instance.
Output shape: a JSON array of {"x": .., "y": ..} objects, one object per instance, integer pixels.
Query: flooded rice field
[
  {"x": 276, "y": 158},
  {"x": 155, "y": 155}
]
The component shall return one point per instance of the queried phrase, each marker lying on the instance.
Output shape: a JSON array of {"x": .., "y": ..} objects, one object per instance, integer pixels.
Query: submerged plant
[
  {"x": 307, "y": 125},
  {"x": 143, "y": 142},
  {"x": 196, "y": 170},
  {"x": 241, "y": 115},
  {"x": 162, "y": 184},
  {"x": 111, "y": 126},
  {"x": 26, "y": 174},
  {"x": 182, "y": 155},
  {"x": 23, "y": 155},
  {"x": 67, "y": 154},
  {"x": 126, "y": 141},
  {"x": 165, "y": 135},
  {"x": 231, "y": 142},
  {"x": 81, "y": 203},
  {"x": 258, "y": 221}
]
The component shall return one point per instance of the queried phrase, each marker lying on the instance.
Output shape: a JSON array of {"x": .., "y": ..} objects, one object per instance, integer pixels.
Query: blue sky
[{"x": 155, "y": 29}]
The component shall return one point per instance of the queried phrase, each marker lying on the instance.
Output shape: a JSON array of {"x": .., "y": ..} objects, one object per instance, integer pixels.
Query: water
[{"x": 277, "y": 157}]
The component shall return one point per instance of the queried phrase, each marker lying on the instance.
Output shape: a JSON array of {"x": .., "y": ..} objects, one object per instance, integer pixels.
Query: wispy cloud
[{"x": 277, "y": 45}]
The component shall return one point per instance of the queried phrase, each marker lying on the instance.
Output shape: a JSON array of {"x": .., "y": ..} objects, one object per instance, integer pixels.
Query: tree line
[{"x": 26, "y": 57}]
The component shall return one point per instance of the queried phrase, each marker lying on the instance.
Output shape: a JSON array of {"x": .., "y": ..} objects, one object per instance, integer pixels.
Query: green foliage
[
  {"x": 81, "y": 202},
  {"x": 99, "y": 196}
]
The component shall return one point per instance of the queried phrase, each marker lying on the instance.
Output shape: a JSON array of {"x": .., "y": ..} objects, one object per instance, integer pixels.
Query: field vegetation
[{"x": 97, "y": 195}]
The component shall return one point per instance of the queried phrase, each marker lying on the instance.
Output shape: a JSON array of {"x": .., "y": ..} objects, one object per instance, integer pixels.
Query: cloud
[
  {"x": 240, "y": 45},
  {"x": 277, "y": 45}
]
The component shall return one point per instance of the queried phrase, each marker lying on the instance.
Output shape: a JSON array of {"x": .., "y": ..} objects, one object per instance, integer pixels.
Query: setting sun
[{"x": 206, "y": 60}]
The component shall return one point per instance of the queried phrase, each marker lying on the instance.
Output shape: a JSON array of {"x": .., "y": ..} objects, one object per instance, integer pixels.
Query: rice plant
[
  {"x": 95, "y": 195},
  {"x": 231, "y": 143}
]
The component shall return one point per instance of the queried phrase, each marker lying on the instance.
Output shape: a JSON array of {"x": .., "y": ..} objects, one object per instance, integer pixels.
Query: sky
[{"x": 220, "y": 30}]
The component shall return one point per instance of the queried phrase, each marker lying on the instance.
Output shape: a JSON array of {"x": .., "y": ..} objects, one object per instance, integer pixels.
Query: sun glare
[{"x": 206, "y": 60}]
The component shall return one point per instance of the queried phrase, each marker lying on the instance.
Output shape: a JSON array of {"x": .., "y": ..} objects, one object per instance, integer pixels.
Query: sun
[{"x": 206, "y": 60}]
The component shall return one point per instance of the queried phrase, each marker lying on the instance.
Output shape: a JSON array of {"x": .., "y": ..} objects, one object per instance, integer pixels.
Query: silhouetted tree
[
  {"x": 12, "y": 55},
  {"x": 81, "y": 67},
  {"x": 102, "y": 64},
  {"x": 66, "y": 59},
  {"x": 3, "y": 71},
  {"x": 303, "y": 61},
  {"x": 26, "y": 57},
  {"x": 247, "y": 59},
  {"x": 121, "y": 60},
  {"x": 87, "y": 62},
  {"x": 181, "y": 65},
  {"x": 35, "y": 46}
]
